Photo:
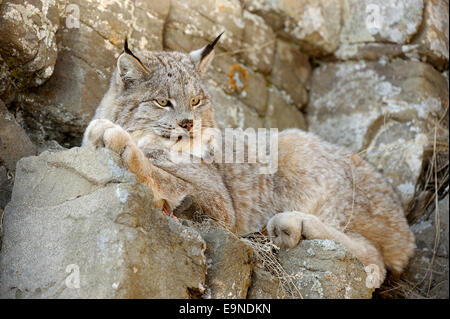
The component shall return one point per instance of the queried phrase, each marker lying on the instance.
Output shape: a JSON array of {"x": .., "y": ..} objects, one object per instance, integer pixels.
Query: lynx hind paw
[
  {"x": 375, "y": 276},
  {"x": 104, "y": 133},
  {"x": 285, "y": 229}
]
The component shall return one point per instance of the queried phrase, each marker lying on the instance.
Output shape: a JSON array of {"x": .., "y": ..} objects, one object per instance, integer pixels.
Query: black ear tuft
[
  {"x": 130, "y": 68},
  {"x": 210, "y": 46},
  {"x": 128, "y": 51},
  {"x": 125, "y": 47}
]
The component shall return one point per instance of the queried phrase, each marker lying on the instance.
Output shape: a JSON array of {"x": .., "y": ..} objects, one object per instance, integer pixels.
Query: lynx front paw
[
  {"x": 287, "y": 229},
  {"x": 104, "y": 133}
]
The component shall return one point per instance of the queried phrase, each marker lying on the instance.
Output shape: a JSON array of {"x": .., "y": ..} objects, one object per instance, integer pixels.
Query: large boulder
[
  {"x": 314, "y": 269},
  {"x": 80, "y": 226},
  {"x": 28, "y": 48},
  {"x": 385, "y": 111},
  {"x": 325, "y": 269},
  {"x": 229, "y": 262}
]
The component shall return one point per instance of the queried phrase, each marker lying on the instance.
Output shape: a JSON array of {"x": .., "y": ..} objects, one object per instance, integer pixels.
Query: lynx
[{"x": 319, "y": 191}]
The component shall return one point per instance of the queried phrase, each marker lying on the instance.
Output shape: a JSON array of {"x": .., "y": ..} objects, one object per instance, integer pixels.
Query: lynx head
[{"x": 160, "y": 99}]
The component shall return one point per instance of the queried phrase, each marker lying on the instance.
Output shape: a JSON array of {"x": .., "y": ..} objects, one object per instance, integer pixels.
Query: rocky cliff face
[{"x": 369, "y": 75}]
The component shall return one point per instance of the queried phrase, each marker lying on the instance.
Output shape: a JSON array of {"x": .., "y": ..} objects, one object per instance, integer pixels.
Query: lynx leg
[
  {"x": 288, "y": 228},
  {"x": 165, "y": 187}
]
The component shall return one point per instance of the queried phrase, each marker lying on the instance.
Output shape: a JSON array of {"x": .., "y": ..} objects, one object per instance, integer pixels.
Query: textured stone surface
[
  {"x": 292, "y": 73},
  {"x": 384, "y": 110},
  {"x": 325, "y": 269},
  {"x": 393, "y": 21},
  {"x": 258, "y": 43},
  {"x": 6, "y": 185},
  {"x": 432, "y": 39},
  {"x": 374, "y": 51},
  {"x": 408, "y": 29},
  {"x": 14, "y": 144},
  {"x": 7, "y": 89},
  {"x": 314, "y": 25},
  {"x": 102, "y": 224},
  {"x": 315, "y": 269},
  {"x": 27, "y": 43},
  {"x": 265, "y": 285},
  {"x": 61, "y": 108},
  {"x": 230, "y": 112},
  {"x": 282, "y": 113},
  {"x": 429, "y": 266},
  {"x": 1, "y": 228},
  {"x": 206, "y": 19},
  {"x": 229, "y": 263}
]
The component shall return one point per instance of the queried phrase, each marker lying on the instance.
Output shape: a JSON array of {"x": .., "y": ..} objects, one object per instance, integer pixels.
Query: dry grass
[{"x": 266, "y": 254}]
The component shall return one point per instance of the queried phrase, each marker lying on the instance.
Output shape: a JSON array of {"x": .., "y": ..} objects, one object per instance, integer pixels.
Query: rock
[
  {"x": 229, "y": 259},
  {"x": 315, "y": 269},
  {"x": 432, "y": 38},
  {"x": 49, "y": 146},
  {"x": 190, "y": 23},
  {"x": 325, "y": 269},
  {"x": 384, "y": 110},
  {"x": 28, "y": 41},
  {"x": 314, "y": 25},
  {"x": 78, "y": 214},
  {"x": 1, "y": 228},
  {"x": 282, "y": 113},
  {"x": 265, "y": 285},
  {"x": 430, "y": 275},
  {"x": 258, "y": 43},
  {"x": 423, "y": 36},
  {"x": 238, "y": 81},
  {"x": 291, "y": 73},
  {"x": 7, "y": 88},
  {"x": 63, "y": 106},
  {"x": 230, "y": 112},
  {"x": 14, "y": 144},
  {"x": 6, "y": 186},
  {"x": 229, "y": 263},
  {"x": 380, "y": 21},
  {"x": 375, "y": 51},
  {"x": 255, "y": 96},
  {"x": 112, "y": 21}
]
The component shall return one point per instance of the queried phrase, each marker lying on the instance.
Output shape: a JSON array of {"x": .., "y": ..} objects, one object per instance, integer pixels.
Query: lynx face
[{"x": 160, "y": 98}]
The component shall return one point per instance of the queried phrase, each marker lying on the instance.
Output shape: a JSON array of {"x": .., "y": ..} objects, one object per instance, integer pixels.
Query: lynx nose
[{"x": 186, "y": 124}]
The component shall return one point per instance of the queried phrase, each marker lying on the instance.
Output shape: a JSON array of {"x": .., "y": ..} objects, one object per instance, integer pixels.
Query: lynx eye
[
  {"x": 195, "y": 101},
  {"x": 163, "y": 102}
]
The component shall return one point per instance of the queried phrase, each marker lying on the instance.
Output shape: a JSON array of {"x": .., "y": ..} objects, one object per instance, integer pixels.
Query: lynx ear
[
  {"x": 130, "y": 69},
  {"x": 203, "y": 57}
]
